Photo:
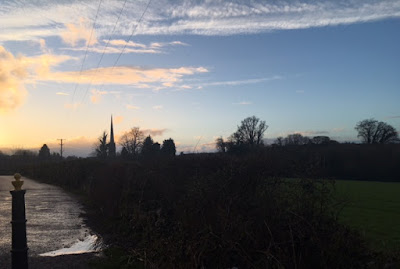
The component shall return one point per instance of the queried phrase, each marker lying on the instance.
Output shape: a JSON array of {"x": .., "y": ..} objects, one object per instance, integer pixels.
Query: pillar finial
[{"x": 18, "y": 182}]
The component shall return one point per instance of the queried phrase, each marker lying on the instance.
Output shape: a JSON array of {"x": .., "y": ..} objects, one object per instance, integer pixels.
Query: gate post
[{"x": 19, "y": 247}]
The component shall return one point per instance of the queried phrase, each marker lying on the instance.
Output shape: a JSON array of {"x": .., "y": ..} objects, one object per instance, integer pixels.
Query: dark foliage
[
  {"x": 168, "y": 147},
  {"x": 44, "y": 152},
  {"x": 214, "y": 211},
  {"x": 101, "y": 150}
]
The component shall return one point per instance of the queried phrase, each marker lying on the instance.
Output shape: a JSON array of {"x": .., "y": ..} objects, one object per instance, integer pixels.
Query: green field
[{"x": 373, "y": 208}]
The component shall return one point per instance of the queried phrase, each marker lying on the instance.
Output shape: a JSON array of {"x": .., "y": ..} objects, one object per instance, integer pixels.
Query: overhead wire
[
  {"x": 87, "y": 48},
  {"x": 126, "y": 43},
  {"x": 105, "y": 48}
]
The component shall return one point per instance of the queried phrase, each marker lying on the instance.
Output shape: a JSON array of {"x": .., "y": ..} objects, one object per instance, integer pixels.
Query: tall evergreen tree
[{"x": 168, "y": 147}]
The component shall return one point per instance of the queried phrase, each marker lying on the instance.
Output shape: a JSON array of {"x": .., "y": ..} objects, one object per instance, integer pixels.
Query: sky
[{"x": 192, "y": 70}]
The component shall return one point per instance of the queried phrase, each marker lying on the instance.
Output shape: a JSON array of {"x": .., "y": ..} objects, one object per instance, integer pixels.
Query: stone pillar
[{"x": 19, "y": 247}]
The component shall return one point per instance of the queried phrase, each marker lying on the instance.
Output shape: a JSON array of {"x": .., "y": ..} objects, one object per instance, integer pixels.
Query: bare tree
[
  {"x": 373, "y": 132},
  {"x": 279, "y": 141},
  {"x": 251, "y": 132},
  {"x": 132, "y": 141}
]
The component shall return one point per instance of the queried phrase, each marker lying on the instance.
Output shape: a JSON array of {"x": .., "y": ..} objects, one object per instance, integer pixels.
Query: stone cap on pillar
[{"x": 18, "y": 182}]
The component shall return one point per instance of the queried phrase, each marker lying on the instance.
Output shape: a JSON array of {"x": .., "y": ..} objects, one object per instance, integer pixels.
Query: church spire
[{"x": 111, "y": 145}]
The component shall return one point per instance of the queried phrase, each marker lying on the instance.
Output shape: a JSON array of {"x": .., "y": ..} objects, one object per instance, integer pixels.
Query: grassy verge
[{"x": 373, "y": 208}]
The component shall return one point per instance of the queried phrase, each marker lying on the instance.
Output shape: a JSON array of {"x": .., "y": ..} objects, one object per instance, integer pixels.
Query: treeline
[
  {"x": 134, "y": 145},
  {"x": 376, "y": 158},
  {"x": 212, "y": 211},
  {"x": 238, "y": 208}
]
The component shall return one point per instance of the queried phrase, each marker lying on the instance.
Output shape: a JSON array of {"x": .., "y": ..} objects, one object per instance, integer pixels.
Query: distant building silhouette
[{"x": 111, "y": 145}]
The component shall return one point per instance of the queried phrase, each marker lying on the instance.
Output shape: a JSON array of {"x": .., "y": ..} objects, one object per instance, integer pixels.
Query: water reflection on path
[{"x": 54, "y": 221}]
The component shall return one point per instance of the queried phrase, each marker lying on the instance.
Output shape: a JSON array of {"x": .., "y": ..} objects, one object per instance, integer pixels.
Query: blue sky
[{"x": 192, "y": 70}]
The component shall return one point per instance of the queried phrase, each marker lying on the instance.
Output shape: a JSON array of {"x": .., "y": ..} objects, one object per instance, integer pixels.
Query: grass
[{"x": 373, "y": 208}]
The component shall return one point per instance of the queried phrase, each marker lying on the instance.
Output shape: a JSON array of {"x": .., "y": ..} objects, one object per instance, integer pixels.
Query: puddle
[{"x": 90, "y": 243}]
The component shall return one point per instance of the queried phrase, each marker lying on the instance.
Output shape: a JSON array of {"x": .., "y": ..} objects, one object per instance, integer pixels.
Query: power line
[
  {"x": 87, "y": 48},
  {"x": 104, "y": 49},
  {"x": 123, "y": 50},
  {"x": 194, "y": 150}
]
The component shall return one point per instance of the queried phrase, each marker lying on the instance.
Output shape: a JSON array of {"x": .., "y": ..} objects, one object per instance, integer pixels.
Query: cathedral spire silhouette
[{"x": 111, "y": 145}]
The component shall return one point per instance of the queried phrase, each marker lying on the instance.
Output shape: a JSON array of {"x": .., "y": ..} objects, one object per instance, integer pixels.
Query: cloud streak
[
  {"x": 119, "y": 45},
  {"x": 160, "y": 78},
  {"x": 243, "y": 103},
  {"x": 237, "y": 82},
  {"x": 154, "y": 132},
  {"x": 45, "y": 18}
]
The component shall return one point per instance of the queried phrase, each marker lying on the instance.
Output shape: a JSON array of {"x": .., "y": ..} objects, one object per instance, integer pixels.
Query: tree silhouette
[
  {"x": 156, "y": 147},
  {"x": 124, "y": 153},
  {"x": 296, "y": 140},
  {"x": 149, "y": 148},
  {"x": 279, "y": 141},
  {"x": 44, "y": 152},
  {"x": 101, "y": 148},
  {"x": 373, "y": 132},
  {"x": 250, "y": 132},
  {"x": 168, "y": 147},
  {"x": 132, "y": 141},
  {"x": 220, "y": 144},
  {"x": 321, "y": 140}
]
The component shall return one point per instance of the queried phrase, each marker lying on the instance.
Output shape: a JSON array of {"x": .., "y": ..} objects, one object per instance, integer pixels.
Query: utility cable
[
  {"x": 123, "y": 50},
  {"x": 87, "y": 48},
  {"x": 104, "y": 49}
]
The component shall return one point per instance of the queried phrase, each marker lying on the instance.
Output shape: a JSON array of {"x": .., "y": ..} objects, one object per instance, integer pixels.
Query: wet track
[{"x": 53, "y": 219}]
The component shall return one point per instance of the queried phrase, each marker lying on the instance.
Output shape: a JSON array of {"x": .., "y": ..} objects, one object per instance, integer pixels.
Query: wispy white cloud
[
  {"x": 392, "y": 117},
  {"x": 118, "y": 45},
  {"x": 243, "y": 103},
  {"x": 73, "y": 106},
  {"x": 114, "y": 50},
  {"x": 155, "y": 78},
  {"x": 39, "y": 19},
  {"x": 312, "y": 132},
  {"x": 201, "y": 147},
  {"x": 73, "y": 33},
  {"x": 132, "y": 107},
  {"x": 118, "y": 119},
  {"x": 237, "y": 82},
  {"x": 154, "y": 132},
  {"x": 62, "y": 93},
  {"x": 96, "y": 96},
  {"x": 122, "y": 43},
  {"x": 158, "y": 107}
]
